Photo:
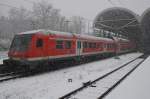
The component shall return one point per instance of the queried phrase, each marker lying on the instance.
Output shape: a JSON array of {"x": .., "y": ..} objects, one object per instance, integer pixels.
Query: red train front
[{"x": 38, "y": 47}]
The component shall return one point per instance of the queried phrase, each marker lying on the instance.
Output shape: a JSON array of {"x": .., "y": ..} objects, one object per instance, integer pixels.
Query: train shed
[
  {"x": 120, "y": 21},
  {"x": 145, "y": 25}
]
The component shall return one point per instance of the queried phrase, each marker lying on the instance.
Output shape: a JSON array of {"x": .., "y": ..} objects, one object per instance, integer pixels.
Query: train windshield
[{"x": 21, "y": 42}]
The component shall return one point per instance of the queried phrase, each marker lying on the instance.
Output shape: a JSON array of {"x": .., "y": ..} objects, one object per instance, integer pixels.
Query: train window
[
  {"x": 68, "y": 44},
  {"x": 101, "y": 45},
  {"x": 105, "y": 46},
  {"x": 90, "y": 45},
  {"x": 111, "y": 45},
  {"x": 21, "y": 42},
  {"x": 85, "y": 45},
  {"x": 108, "y": 45},
  {"x": 97, "y": 45},
  {"x": 39, "y": 43},
  {"x": 59, "y": 44},
  {"x": 94, "y": 45}
]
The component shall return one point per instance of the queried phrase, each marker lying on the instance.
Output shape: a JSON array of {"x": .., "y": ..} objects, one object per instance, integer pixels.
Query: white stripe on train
[{"x": 64, "y": 56}]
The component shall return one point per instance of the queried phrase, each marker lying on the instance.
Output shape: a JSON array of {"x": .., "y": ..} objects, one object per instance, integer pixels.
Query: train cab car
[
  {"x": 25, "y": 46},
  {"x": 38, "y": 47}
]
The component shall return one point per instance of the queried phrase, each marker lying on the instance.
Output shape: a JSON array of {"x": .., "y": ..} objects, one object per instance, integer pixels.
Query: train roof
[
  {"x": 31, "y": 32},
  {"x": 48, "y": 32},
  {"x": 66, "y": 34},
  {"x": 120, "y": 39},
  {"x": 60, "y": 33},
  {"x": 84, "y": 36}
]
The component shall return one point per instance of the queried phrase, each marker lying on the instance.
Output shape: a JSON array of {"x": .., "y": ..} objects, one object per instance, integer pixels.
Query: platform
[{"x": 135, "y": 86}]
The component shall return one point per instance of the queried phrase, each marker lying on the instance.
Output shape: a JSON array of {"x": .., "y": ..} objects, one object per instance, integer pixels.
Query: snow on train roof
[
  {"x": 59, "y": 33},
  {"x": 122, "y": 39},
  {"x": 83, "y": 36},
  {"x": 32, "y": 32},
  {"x": 77, "y": 35},
  {"x": 92, "y": 37},
  {"x": 48, "y": 32}
]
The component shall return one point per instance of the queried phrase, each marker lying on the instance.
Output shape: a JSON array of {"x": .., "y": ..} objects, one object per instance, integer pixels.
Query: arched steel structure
[
  {"x": 145, "y": 24},
  {"x": 119, "y": 20}
]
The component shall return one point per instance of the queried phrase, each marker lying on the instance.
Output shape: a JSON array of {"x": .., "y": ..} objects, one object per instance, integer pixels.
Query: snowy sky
[{"x": 85, "y": 8}]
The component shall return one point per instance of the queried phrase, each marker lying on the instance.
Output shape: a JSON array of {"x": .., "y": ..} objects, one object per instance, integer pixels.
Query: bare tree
[
  {"x": 42, "y": 12},
  {"x": 47, "y": 17},
  {"x": 3, "y": 24},
  {"x": 77, "y": 25},
  {"x": 61, "y": 25},
  {"x": 19, "y": 20},
  {"x": 42, "y": 16}
]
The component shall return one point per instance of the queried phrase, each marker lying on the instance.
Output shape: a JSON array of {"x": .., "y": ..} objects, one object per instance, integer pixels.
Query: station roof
[
  {"x": 145, "y": 22},
  {"x": 119, "y": 20},
  {"x": 145, "y": 25}
]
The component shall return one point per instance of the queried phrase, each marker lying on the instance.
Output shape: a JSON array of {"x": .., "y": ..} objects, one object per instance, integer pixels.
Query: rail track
[
  {"x": 2, "y": 66},
  {"x": 14, "y": 75},
  {"x": 8, "y": 75},
  {"x": 18, "y": 74},
  {"x": 103, "y": 85}
]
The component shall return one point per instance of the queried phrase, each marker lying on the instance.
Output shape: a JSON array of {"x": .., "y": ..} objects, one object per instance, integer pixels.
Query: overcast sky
[{"x": 85, "y": 8}]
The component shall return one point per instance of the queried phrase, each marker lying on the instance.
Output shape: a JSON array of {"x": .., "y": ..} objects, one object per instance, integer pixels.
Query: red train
[{"x": 42, "y": 46}]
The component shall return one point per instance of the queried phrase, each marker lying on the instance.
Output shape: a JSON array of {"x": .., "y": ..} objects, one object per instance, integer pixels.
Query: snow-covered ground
[
  {"x": 104, "y": 84},
  {"x": 3, "y": 55},
  {"x": 136, "y": 86},
  {"x": 52, "y": 85}
]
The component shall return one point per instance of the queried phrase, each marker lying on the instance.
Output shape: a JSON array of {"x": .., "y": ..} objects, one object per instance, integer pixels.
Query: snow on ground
[
  {"x": 136, "y": 86},
  {"x": 54, "y": 84},
  {"x": 104, "y": 84},
  {"x": 3, "y": 55}
]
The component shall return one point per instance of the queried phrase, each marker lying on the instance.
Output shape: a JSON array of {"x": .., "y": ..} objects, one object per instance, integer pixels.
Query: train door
[
  {"x": 79, "y": 48},
  {"x": 40, "y": 47},
  {"x": 105, "y": 47}
]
